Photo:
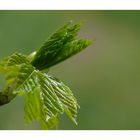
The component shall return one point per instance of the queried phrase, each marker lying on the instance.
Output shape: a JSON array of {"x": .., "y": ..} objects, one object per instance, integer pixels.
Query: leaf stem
[{"x": 7, "y": 95}]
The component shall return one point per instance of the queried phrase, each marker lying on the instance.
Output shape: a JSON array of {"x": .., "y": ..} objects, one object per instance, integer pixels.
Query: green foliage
[
  {"x": 60, "y": 46},
  {"x": 46, "y": 97}
]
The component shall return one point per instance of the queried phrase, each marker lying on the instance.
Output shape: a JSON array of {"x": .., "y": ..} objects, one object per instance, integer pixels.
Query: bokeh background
[{"x": 105, "y": 77}]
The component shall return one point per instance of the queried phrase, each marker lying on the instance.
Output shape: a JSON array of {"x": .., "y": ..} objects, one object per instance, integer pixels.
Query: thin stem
[{"x": 7, "y": 95}]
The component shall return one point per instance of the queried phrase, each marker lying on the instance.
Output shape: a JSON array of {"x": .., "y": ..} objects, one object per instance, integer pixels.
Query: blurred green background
[{"x": 105, "y": 77}]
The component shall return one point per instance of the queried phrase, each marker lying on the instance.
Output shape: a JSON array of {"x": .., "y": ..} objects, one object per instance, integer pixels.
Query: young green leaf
[
  {"x": 46, "y": 97},
  {"x": 60, "y": 46},
  {"x": 10, "y": 66}
]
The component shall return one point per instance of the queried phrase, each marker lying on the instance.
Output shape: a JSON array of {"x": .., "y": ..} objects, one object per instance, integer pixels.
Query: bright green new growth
[{"x": 46, "y": 97}]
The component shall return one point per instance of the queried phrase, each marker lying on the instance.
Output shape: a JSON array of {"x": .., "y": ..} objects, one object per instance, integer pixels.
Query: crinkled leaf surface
[
  {"x": 60, "y": 46},
  {"x": 46, "y": 97}
]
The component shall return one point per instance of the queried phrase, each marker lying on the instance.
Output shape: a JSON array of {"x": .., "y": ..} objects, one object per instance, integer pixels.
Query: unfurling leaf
[
  {"x": 60, "y": 46},
  {"x": 46, "y": 97}
]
